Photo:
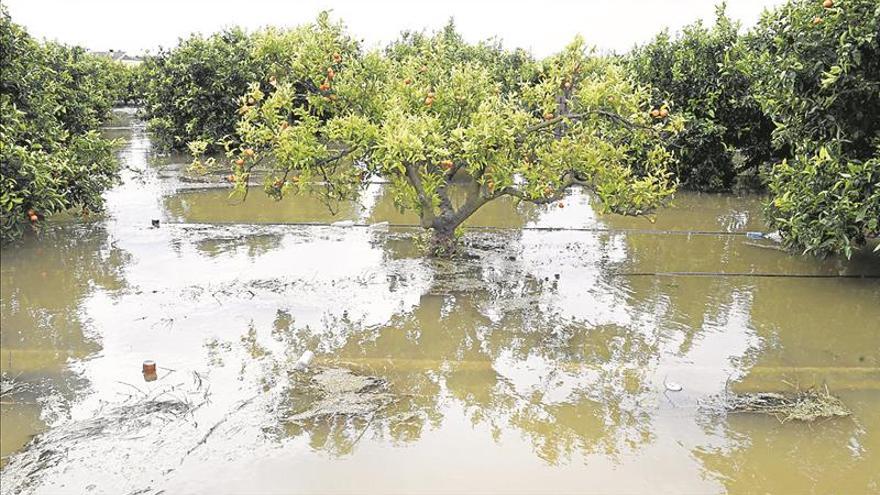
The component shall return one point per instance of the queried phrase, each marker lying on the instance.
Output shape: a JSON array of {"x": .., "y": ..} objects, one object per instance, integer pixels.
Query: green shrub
[
  {"x": 816, "y": 72},
  {"x": 51, "y": 159},
  {"x": 825, "y": 203},
  {"x": 727, "y": 133},
  {"x": 191, "y": 91}
]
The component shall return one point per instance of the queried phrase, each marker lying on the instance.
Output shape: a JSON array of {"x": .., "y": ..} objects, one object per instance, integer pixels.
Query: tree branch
[
  {"x": 473, "y": 203},
  {"x": 412, "y": 176},
  {"x": 577, "y": 116},
  {"x": 568, "y": 179}
]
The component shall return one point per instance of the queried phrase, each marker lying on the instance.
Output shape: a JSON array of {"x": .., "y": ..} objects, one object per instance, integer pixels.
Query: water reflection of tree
[
  {"x": 447, "y": 349},
  {"x": 44, "y": 282},
  {"x": 254, "y": 244},
  {"x": 804, "y": 332},
  {"x": 762, "y": 456},
  {"x": 43, "y": 285}
]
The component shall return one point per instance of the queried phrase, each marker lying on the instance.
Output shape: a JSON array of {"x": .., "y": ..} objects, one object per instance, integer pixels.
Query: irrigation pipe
[{"x": 744, "y": 274}]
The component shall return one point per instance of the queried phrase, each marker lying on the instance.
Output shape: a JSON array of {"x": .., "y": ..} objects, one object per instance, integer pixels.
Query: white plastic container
[{"x": 304, "y": 360}]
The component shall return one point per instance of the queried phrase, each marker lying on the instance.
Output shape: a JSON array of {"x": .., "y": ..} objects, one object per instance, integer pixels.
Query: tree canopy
[
  {"x": 816, "y": 72},
  {"x": 52, "y": 98},
  {"x": 432, "y": 113},
  {"x": 697, "y": 73}
]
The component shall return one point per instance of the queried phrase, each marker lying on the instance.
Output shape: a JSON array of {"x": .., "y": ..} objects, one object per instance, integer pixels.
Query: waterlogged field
[{"x": 542, "y": 362}]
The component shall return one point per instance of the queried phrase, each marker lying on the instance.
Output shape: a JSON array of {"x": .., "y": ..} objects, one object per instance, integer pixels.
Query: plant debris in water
[
  {"x": 335, "y": 392},
  {"x": 806, "y": 406}
]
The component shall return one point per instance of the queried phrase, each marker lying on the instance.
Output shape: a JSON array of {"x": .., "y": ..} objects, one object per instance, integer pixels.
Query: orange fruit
[
  {"x": 828, "y": 4},
  {"x": 325, "y": 86},
  {"x": 249, "y": 152},
  {"x": 239, "y": 162},
  {"x": 548, "y": 116},
  {"x": 33, "y": 218},
  {"x": 817, "y": 20},
  {"x": 31, "y": 211},
  {"x": 230, "y": 178},
  {"x": 664, "y": 113},
  {"x": 655, "y": 113},
  {"x": 407, "y": 81},
  {"x": 337, "y": 57},
  {"x": 429, "y": 101}
]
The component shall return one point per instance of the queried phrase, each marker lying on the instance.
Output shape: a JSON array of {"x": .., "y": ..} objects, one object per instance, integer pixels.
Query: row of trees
[
  {"x": 790, "y": 106},
  {"x": 52, "y": 99},
  {"x": 793, "y": 103}
]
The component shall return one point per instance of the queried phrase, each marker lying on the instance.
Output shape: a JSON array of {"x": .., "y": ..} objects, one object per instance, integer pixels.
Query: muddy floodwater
[{"x": 568, "y": 352}]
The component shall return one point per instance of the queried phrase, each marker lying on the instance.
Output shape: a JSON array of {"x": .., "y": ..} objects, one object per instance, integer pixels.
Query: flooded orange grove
[{"x": 566, "y": 351}]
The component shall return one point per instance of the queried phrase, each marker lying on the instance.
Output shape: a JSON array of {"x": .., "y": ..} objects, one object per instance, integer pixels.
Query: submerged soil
[{"x": 541, "y": 362}]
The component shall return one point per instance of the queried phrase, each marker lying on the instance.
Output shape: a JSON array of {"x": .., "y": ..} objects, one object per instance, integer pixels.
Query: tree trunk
[{"x": 443, "y": 241}]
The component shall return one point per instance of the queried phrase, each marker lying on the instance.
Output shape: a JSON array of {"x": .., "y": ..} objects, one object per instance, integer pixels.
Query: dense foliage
[
  {"x": 434, "y": 113},
  {"x": 454, "y": 125},
  {"x": 191, "y": 92},
  {"x": 695, "y": 73},
  {"x": 816, "y": 72},
  {"x": 52, "y": 98}
]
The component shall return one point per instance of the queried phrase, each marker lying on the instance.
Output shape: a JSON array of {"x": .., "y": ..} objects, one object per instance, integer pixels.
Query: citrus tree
[
  {"x": 816, "y": 72},
  {"x": 191, "y": 91},
  {"x": 52, "y": 98},
  {"x": 727, "y": 133},
  {"x": 433, "y": 114}
]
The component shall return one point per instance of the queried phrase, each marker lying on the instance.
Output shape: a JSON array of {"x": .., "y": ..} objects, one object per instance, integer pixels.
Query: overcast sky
[{"x": 543, "y": 26}]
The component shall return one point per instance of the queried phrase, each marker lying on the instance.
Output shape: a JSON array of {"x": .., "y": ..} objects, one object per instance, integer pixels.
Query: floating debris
[
  {"x": 304, "y": 360},
  {"x": 338, "y": 392},
  {"x": 806, "y": 406},
  {"x": 10, "y": 386},
  {"x": 673, "y": 386}
]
